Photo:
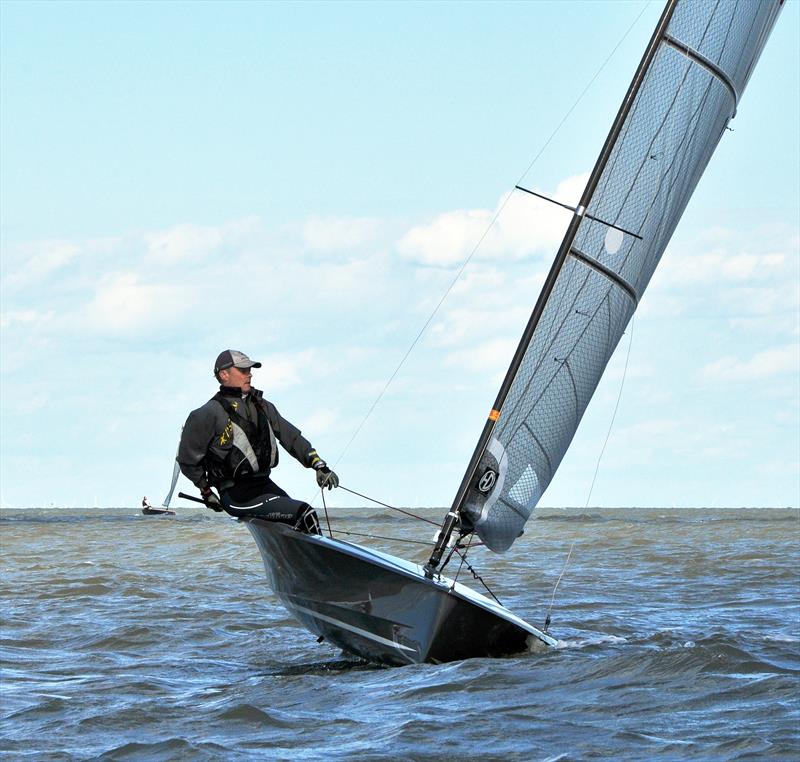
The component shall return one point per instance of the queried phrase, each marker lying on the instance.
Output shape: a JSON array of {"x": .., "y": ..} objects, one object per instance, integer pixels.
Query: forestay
[{"x": 684, "y": 93}]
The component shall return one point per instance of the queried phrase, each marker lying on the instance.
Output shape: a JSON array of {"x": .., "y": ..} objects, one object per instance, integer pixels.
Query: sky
[{"x": 302, "y": 182}]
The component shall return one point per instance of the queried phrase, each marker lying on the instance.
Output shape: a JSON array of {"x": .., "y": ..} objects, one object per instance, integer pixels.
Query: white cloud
[
  {"x": 283, "y": 370},
  {"x": 40, "y": 259},
  {"x": 122, "y": 303},
  {"x": 486, "y": 302},
  {"x": 24, "y": 317},
  {"x": 182, "y": 243},
  {"x": 448, "y": 239},
  {"x": 721, "y": 264},
  {"x": 778, "y": 298},
  {"x": 487, "y": 357},
  {"x": 771, "y": 362},
  {"x": 338, "y": 233},
  {"x": 658, "y": 438},
  {"x": 321, "y": 421},
  {"x": 524, "y": 226}
]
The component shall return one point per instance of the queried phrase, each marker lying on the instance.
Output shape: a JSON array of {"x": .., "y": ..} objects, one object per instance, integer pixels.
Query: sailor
[
  {"x": 146, "y": 502},
  {"x": 230, "y": 444}
]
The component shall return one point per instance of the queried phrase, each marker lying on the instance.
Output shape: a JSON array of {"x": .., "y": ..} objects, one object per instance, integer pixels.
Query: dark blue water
[{"x": 132, "y": 637}]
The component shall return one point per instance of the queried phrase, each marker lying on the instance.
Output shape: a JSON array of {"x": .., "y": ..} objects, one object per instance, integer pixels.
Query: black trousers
[{"x": 266, "y": 500}]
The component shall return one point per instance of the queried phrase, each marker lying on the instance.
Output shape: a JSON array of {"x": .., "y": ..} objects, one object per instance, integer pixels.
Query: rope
[
  {"x": 390, "y": 507},
  {"x": 381, "y": 537},
  {"x": 553, "y": 596},
  {"x": 478, "y": 577},
  {"x": 463, "y": 560},
  {"x": 325, "y": 506}
]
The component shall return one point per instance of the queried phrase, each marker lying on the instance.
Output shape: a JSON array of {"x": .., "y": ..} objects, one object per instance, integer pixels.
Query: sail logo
[{"x": 487, "y": 481}]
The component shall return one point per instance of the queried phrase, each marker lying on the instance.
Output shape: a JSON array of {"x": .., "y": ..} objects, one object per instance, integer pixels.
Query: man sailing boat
[{"x": 230, "y": 444}]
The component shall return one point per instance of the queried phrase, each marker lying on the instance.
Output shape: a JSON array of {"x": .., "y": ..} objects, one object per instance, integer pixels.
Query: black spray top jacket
[{"x": 226, "y": 437}]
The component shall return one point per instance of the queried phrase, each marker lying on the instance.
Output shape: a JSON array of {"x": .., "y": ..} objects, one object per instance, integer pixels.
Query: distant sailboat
[
  {"x": 683, "y": 94},
  {"x": 148, "y": 509}
]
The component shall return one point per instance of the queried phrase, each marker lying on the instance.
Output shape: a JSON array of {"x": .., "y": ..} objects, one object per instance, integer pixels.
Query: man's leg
[{"x": 280, "y": 508}]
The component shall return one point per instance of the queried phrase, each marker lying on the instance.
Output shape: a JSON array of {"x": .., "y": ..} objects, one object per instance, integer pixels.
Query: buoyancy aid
[{"x": 250, "y": 447}]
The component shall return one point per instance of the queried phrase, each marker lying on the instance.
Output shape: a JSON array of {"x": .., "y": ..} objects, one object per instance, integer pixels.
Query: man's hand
[
  {"x": 211, "y": 500},
  {"x": 325, "y": 477}
]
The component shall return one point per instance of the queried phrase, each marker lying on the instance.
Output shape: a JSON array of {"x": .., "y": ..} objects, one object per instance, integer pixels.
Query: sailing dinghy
[{"x": 682, "y": 97}]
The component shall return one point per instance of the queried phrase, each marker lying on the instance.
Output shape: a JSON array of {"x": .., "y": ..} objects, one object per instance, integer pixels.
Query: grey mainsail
[{"x": 684, "y": 93}]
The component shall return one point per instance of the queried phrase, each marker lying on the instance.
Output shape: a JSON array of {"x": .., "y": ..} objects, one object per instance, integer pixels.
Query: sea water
[{"x": 133, "y": 637}]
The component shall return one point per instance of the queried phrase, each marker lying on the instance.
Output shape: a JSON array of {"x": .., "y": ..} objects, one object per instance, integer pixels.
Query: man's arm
[
  {"x": 300, "y": 448},
  {"x": 290, "y": 437},
  {"x": 196, "y": 437}
]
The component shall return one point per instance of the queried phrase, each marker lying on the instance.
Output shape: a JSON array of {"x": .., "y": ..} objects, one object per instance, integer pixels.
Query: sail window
[
  {"x": 526, "y": 487},
  {"x": 613, "y": 242}
]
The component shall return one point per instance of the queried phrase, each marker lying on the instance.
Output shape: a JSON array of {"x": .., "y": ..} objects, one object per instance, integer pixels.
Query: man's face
[{"x": 237, "y": 377}]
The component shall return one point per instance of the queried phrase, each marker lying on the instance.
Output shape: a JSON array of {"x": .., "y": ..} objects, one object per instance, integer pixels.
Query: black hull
[
  {"x": 382, "y": 608},
  {"x": 157, "y": 512}
]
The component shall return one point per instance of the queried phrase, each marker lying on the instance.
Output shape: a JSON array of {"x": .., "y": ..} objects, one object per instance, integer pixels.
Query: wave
[{"x": 170, "y": 748}]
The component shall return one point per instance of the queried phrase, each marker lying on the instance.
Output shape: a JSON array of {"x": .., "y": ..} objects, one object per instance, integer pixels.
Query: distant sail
[
  {"x": 176, "y": 472},
  {"x": 685, "y": 92}
]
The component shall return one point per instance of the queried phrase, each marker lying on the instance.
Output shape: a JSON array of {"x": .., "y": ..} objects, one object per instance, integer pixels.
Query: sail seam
[
  {"x": 671, "y": 175},
  {"x": 545, "y": 353},
  {"x": 649, "y": 154},
  {"x": 668, "y": 172},
  {"x": 707, "y": 64},
  {"x": 550, "y": 474},
  {"x": 565, "y": 362},
  {"x": 610, "y": 274}
]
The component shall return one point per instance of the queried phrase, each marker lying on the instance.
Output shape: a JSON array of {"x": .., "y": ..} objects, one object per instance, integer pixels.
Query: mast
[{"x": 452, "y": 516}]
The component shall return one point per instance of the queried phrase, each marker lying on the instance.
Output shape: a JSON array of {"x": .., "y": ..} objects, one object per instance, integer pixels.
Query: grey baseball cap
[{"x": 231, "y": 358}]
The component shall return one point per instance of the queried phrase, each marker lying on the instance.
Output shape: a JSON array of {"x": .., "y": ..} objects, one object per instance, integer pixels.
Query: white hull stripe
[{"x": 351, "y": 628}]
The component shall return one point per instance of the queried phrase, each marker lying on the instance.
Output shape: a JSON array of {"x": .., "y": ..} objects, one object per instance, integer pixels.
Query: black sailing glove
[
  {"x": 325, "y": 477},
  {"x": 211, "y": 500}
]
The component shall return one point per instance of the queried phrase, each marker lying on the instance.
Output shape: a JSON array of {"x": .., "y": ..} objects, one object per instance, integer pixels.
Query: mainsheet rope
[{"x": 390, "y": 507}]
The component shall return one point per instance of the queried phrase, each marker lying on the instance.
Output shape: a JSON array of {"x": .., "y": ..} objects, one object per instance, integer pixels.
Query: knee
[{"x": 307, "y": 521}]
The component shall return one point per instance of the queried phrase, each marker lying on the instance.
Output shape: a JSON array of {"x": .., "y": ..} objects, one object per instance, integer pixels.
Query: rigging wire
[
  {"x": 390, "y": 507},
  {"x": 325, "y": 506},
  {"x": 457, "y": 548},
  {"x": 463, "y": 558},
  {"x": 597, "y": 467},
  {"x": 382, "y": 537},
  {"x": 475, "y": 575},
  {"x": 483, "y": 237}
]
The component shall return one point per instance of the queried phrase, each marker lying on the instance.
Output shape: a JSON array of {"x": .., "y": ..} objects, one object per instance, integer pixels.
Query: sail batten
[
  {"x": 683, "y": 94},
  {"x": 700, "y": 59},
  {"x": 607, "y": 271}
]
